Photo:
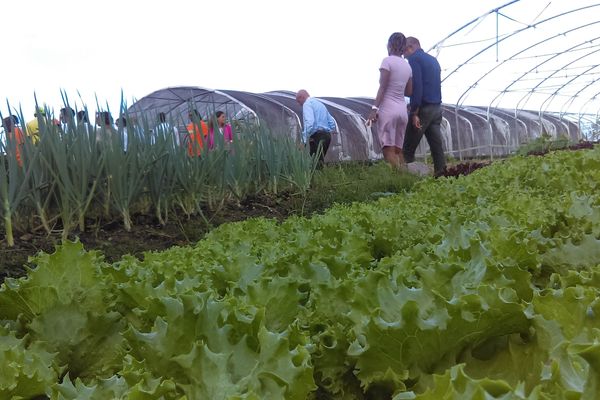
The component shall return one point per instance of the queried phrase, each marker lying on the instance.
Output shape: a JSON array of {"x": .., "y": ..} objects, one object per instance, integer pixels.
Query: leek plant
[
  {"x": 274, "y": 154},
  {"x": 301, "y": 167},
  {"x": 201, "y": 179},
  {"x": 191, "y": 174},
  {"x": 41, "y": 184},
  {"x": 240, "y": 169},
  {"x": 216, "y": 191},
  {"x": 73, "y": 160},
  {"x": 12, "y": 183},
  {"x": 161, "y": 179},
  {"x": 54, "y": 159},
  {"x": 214, "y": 155},
  {"x": 126, "y": 165},
  {"x": 72, "y": 170},
  {"x": 14, "y": 179}
]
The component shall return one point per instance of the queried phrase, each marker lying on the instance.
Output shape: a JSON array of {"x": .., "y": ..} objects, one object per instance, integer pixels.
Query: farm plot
[{"x": 481, "y": 286}]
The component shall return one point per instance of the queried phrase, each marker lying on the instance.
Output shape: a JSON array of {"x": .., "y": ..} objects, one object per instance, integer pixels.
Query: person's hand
[
  {"x": 416, "y": 121},
  {"x": 373, "y": 116}
]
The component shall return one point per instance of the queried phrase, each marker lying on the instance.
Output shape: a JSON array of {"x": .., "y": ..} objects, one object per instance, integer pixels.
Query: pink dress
[{"x": 393, "y": 116}]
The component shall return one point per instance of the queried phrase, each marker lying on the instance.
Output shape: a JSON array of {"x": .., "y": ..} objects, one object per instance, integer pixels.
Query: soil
[{"x": 146, "y": 234}]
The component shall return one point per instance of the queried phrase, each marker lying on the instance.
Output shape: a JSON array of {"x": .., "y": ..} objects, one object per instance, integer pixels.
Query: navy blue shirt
[{"x": 427, "y": 83}]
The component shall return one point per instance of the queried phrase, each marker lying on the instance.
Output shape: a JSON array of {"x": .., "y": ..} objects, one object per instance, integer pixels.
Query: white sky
[{"x": 329, "y": 47}]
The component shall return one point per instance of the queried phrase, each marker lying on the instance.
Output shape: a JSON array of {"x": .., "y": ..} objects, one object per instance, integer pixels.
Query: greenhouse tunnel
[
  {"x": 467, "y": 132},
  {"x": 521, "y": 71}
]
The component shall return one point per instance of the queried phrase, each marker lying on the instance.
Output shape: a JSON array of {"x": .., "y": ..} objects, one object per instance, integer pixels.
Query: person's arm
[
  {"x": 408, "y": 89},
  {"x": 384, "y": 81},
  {"x": 19, "y": 136},
  {"x": 309, "y": 120},
  {"x": 417, "y": 86},
  {"x": 417, "y": 92},
  {"x": 331, "y": 123},
  {"x": 228, "y": 133}
]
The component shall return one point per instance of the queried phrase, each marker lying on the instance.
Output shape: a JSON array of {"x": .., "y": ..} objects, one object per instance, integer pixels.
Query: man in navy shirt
[{"x": 425, "y": 106}]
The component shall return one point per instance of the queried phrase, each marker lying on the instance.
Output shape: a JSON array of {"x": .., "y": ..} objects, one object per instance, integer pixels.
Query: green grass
[{"x": 346, "y": 183}]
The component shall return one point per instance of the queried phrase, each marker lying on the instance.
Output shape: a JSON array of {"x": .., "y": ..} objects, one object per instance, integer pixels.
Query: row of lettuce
[{"x": 480, "y": 287}]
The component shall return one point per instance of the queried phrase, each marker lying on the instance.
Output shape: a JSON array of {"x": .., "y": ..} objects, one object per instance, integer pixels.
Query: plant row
[
  {"x": 538, "y": 147},
  {"x": 77, "y": 173}
]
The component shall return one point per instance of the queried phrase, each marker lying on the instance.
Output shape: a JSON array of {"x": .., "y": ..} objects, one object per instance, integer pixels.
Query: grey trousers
[{"x": 431, "y": 120}]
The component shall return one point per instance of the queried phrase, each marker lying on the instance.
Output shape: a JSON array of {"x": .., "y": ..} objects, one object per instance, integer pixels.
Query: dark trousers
[
  {"x": 319, "y": 138},
  {"x": 431, "y": 120}
]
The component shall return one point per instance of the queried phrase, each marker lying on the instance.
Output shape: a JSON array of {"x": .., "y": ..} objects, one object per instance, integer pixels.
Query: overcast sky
[{"x": 100, "y": 48}]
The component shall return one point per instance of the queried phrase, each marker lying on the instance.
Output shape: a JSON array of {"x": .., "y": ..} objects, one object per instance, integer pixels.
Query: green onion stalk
[
  {"x": 14, "y": 178},
  {"x": 161, "y": 179},
  {"x": 301, "y": 167},
  {"x": 126, "y": 167}
]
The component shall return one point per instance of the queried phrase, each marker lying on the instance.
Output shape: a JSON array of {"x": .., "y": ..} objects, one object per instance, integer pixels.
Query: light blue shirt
[{"x": 316, "y": 118}]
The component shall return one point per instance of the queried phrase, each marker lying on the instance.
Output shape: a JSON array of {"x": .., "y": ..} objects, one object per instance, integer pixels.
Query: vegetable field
[{"x": 478, "y": 287}]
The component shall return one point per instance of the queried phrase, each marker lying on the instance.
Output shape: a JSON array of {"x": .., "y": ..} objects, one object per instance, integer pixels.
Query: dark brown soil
[{"x": 146, "y": 234}]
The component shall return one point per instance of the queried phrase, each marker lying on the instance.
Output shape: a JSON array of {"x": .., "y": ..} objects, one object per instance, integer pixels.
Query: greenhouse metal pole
[
  {"x": 549, "y": 19},
  {"x": 553, "y": 95},
  {"x": 596, "y": 124},
  {"x": 516, "y": 144},
  {"x": 495, "y": 10},
  {"x": 457, "y": 132},
  {"x": 578, "y": 93},
  {"x": 526, "y": 127},
  {"x": 594, "y": 97},
  {"x": 591, "y": 99},
  {"x": 537, "y": 66},
  {"x": 491, "y": 139},
  {"x": 530, "y": 93}
]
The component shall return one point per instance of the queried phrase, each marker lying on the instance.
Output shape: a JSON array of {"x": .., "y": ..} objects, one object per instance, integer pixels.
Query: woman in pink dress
[{"x": 389, "y": 109}]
